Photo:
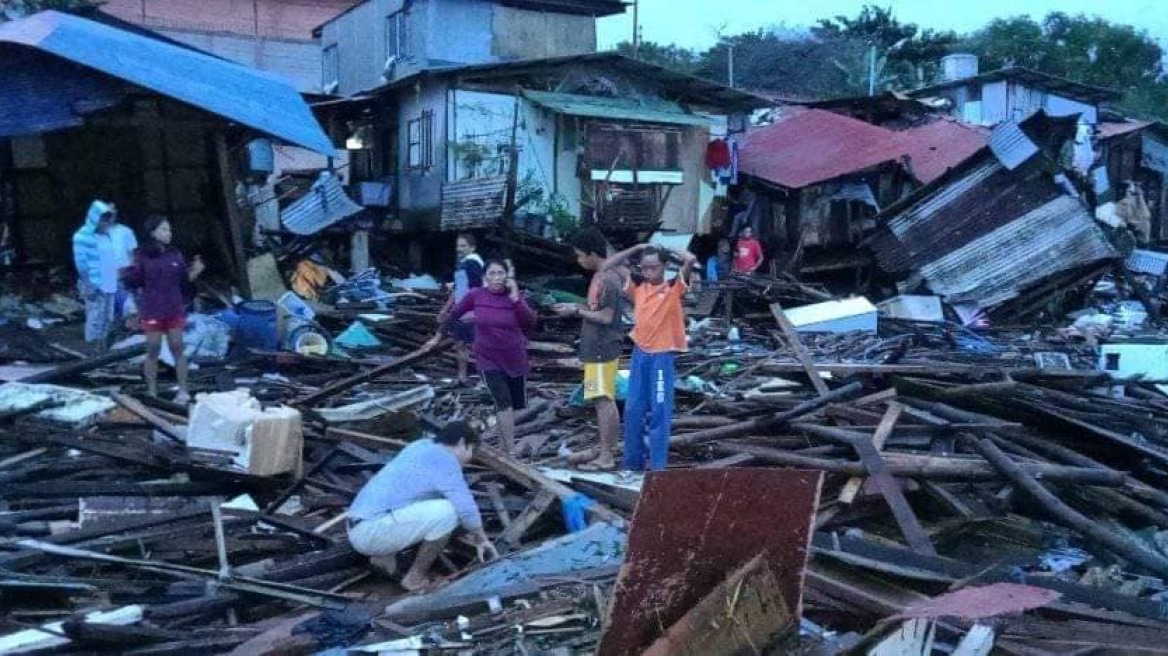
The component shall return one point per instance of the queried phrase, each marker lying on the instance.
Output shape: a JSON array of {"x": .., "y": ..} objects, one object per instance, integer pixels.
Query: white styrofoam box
[
  {"x": 841, "y": 316},
  {"x": 914, "y": 308},
  {"x": 1126, "y": 360},
  {"x": 259, "y": 441}
]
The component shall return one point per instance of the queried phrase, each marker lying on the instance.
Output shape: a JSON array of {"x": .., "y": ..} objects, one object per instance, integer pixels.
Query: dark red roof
[{"x": 814, "y": 146}]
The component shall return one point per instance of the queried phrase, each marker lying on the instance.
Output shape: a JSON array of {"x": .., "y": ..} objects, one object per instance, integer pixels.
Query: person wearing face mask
[
  {"x": 468, "y": 275},
  {"x": 420, "y": 497},
  {"x": 161, "y": 278},
  {"x": 101, "y": 248},
  {"x": 658, "y": 334},
  {"x": 501, "y": 321}
]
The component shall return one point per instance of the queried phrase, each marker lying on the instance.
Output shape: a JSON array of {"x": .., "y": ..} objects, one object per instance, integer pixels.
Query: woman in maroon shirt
[
  {"x": 161, "y": 279},
  {"x": 501, "y": 319}
]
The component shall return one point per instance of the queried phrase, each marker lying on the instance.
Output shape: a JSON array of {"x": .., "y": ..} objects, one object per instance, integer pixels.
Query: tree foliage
[{"x": 834, "y": 57}]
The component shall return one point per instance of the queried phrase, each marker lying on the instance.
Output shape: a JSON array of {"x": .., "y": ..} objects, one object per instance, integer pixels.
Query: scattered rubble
[{"x": 1019, "y": 471}]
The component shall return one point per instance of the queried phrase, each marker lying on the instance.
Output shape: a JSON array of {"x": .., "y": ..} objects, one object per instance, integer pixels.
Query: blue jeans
[{"x": 650, "y": 392}]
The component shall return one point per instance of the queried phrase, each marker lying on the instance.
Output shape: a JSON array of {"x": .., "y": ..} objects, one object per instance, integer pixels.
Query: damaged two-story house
[{"x": 472, "y": 112}]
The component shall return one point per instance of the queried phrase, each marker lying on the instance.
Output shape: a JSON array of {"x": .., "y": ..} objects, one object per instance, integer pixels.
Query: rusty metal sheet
[{"x": 691, "y": 529}]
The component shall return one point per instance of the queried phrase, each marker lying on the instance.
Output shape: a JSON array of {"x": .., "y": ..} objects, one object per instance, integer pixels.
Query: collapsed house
[
  {"x": 818, "y": 178},
  {"x": 1002, "y": 231},
  {"x": 93, "y": 111}
]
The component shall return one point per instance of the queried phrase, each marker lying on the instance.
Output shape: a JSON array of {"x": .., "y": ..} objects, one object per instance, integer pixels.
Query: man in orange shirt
[{"x": 658, "y": 333}]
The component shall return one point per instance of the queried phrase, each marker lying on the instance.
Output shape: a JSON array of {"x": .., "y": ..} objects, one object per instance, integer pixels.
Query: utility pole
[
  {"x": 636, "y": 29},
  {"x": 872, "y": 71},
  {"x": 730, "y": 65}
]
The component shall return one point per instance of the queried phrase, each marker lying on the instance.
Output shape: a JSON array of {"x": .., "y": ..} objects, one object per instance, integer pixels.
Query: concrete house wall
[
  {"x": 447, "y": 32},
  {"x": 271, "y": 35}
]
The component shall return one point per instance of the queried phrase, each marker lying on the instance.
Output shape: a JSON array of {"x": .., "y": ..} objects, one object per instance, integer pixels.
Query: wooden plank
[
  {"x": 902, "y": 512},
  {"x": 1069, "y": 517},
  {"x": 883, "y": 430},
  {"x": 745, "y": 611},
  {"x": 150, "y": 417},
  {"x": 513, "y": 534},
  {"x": 234, "y": 220},
  {"x": 800, "y": 350}
]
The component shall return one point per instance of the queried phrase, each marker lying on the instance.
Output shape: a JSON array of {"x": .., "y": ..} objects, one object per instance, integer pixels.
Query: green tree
[
  {"x": 906, "y": 54},
  {"x": 670, "y": 56},
  {"x": 14, "y": 9},
  {"x": 1085, "y": 49}
]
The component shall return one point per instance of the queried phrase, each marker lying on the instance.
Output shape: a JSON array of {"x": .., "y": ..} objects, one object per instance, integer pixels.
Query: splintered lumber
[
  {"x": 135, "y": 406},
  {"x": 532, "y": 479},
  {"x": 743, "y": 614},
  {"x": 792, "y": 335},
  {"x": 74, "y": 368},
  {"x": 513, "y": 534},
  {"x": 902, "y": 512},
  {"x": 1069, "y": 517},
  {"x": 352, "y": 381},
  {"x": 930, "y": 467},
  {"x": 883, "y": 430},
  {"x": 761, "y": 424},
  {"x": 242, "y": 584}
]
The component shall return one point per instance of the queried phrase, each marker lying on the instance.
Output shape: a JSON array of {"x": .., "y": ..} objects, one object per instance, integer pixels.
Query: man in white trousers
[{"x": 420, "y": 496}]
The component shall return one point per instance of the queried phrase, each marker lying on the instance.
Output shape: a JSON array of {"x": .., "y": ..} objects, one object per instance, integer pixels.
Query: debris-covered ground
[{"x": 978, "y": 487}]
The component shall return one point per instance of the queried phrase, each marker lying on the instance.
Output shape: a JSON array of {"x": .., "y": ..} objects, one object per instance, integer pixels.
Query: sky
[{"x": 696, "y": 23}]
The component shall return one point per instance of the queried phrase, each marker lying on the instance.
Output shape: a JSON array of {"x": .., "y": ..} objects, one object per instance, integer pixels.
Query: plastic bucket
[
  {"x": 256, "y": 325},
  {"x": 304, "y": 337}
]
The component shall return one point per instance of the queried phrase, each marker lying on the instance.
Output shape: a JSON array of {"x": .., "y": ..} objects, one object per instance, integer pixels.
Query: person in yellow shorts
[{"x": 601, "y": 341}]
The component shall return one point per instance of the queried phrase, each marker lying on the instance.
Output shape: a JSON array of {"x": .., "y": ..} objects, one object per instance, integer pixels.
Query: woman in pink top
[{"x": 501, "y": 321}]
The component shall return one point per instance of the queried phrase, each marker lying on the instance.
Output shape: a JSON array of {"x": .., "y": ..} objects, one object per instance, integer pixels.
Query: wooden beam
[
  {"x": 1067, "y": 516},
  {"x": 883, "y": 430},
  {"x": 234, "y": 218},
  {"x": 805, "y": 359}
]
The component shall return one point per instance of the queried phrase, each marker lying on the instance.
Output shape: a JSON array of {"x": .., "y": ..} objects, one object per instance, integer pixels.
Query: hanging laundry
[{"x": 718, "y": 154}]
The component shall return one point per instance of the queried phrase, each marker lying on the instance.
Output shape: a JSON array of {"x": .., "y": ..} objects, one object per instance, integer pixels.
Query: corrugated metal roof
[
  {"x": 1011, "y": 145},
  {"x": 247, "y": 96},
  {"x": 1058, "y": 236},
  {"x": 814, "y": 146},
  {"x": 326, "y": 204},
  {"x": 623, "y": 109},
  {"x": 1030, "y": 77}
]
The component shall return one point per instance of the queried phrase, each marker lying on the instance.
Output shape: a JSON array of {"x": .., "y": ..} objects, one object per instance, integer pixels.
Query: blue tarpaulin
[{"x": 258, "y": 100}]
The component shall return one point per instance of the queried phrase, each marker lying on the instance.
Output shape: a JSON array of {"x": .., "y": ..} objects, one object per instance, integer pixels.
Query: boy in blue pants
[{"x": 658, "y": 333}]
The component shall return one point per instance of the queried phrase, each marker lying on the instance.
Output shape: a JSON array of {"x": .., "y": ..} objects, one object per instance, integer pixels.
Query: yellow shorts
[{"x": 600, "y": 380}]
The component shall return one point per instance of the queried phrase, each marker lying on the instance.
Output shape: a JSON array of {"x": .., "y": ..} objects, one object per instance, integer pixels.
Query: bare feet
[{"x": 587, "y": 455}]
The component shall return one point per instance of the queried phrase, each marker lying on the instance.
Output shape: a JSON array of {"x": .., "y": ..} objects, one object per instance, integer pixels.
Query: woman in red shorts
[{"x": 162, "y": 280}]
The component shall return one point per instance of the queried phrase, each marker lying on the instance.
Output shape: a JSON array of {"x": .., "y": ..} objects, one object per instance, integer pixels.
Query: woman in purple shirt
[
  {"x": 501, "y": 319},
  {"x": 161, "y": 279}
]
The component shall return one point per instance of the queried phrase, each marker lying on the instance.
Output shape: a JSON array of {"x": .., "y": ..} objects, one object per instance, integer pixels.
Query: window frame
[
  {"x": 330, "y": 61},
  {"x": 400, "y": 45},
  {"x": 420, "y": 142}
]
